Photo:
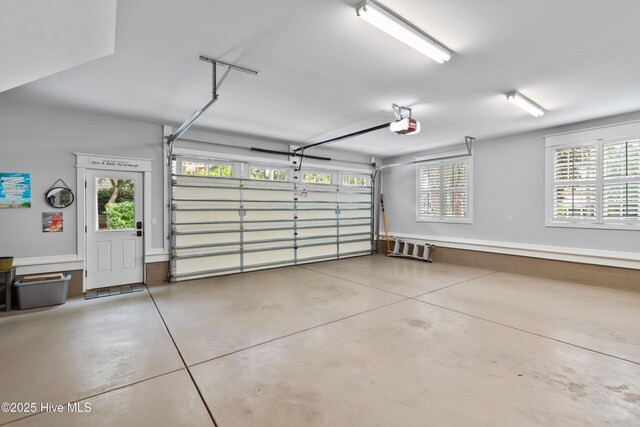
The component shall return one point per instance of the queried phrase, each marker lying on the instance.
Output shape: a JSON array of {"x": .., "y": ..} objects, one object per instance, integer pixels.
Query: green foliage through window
[
  {"x": 269, "y": 174},
  {"x": 110, "y": 192},
  {"x": 190, "y": 168},
  {"x": 204, "y": 169},
  {"x": 104, "y": 194},
  {"x": 120, "y": 216},
  {"x": 220, "y": 170},
  {"x": 354, "y": 180},
  {"x": 316, "y": 178}
]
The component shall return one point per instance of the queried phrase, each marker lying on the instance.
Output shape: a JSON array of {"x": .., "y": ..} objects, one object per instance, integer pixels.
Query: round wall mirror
[{"x": 59, "y": 197}]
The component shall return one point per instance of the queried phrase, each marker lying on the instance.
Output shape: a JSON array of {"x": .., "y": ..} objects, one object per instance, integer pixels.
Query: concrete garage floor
[{"x": 369, "y": 341}]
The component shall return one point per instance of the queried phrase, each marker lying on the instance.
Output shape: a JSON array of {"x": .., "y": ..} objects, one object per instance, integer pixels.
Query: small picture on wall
[
  {"x": 15, "y": 190},
  {"x": 51, "y": 222}
]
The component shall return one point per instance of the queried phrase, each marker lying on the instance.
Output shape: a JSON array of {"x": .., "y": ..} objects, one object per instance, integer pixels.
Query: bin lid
[
  {"x": 41, "y": 277},
  {"x": 56, "y": 279}
]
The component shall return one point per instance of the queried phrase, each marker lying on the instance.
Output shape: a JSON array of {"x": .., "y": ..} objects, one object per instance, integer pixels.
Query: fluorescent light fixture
[
  {"x": 393, "y": 24},
  {"x": 525, "y": 103}
]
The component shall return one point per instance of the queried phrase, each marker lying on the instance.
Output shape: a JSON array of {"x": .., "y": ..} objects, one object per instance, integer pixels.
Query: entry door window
[{"x": 115, "y": 204}]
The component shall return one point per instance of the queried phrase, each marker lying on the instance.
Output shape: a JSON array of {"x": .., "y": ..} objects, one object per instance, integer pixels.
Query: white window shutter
[
  {"x": 621, "y": 188},
  {"x": 443, "y": 190},
  {"x": 574, "y": 190},
  {"x": 621, "y": 160},
  {"x": 621, "y": 201}
]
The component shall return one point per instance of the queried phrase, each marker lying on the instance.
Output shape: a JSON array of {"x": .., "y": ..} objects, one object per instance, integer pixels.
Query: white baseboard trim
[
  {"x": 585, "y": 256},
  {"x": 48, "y": 264},
  {"x": 156, "y": 257},
  {"x": 55, "y": 263}
]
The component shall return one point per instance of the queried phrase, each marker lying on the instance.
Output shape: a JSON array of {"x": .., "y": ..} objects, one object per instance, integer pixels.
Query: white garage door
[{"x": 231, "y": 217}]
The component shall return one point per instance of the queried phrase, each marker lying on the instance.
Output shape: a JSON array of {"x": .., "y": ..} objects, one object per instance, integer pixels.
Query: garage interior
[{"x": 337, "y": 213}]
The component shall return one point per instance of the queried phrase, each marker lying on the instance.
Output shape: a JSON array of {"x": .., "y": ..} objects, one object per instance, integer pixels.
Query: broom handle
[{"x": 384, "y": 221}]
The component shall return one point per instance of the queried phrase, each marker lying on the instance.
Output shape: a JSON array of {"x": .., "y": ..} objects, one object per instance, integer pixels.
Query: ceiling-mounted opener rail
[
  {"x": 404, "y": 126},
  {"x": 398, "y": 111},
  {"x": 215, "y": 86},
  {"x": 299, "y": 152}
]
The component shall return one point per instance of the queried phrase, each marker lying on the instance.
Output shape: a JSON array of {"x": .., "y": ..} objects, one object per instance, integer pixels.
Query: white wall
[
  {"x": 509, "y": 179},
  {"x": 41, "y": 141}
]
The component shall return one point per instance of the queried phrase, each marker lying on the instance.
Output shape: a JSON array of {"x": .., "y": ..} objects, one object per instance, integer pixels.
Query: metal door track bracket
[
  {"x": 215, "y": 86},
  {"x": 171, "y": 139}
]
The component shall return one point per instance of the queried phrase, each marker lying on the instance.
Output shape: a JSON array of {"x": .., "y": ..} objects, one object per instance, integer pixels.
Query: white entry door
[{"x": 114, "y": 234}]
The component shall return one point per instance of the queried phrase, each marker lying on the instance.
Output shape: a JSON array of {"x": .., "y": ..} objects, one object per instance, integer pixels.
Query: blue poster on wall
[{"x": 15, "y": 190}]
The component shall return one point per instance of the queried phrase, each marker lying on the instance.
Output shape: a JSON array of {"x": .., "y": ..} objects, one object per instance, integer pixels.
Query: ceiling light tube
[
  {"x": 525, "y": 103},
  {"x": 393, "y": 24}
]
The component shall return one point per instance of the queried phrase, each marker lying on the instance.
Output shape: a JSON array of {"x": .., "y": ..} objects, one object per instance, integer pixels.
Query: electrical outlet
[
  {"x": 509, "y": 218},
  {"x": 154, "y": 221}
]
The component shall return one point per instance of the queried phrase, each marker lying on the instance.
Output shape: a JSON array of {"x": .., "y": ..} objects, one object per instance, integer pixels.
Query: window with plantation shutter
[
  {"x": 594, "y": 183},
  {"x": 621, "y": 187},
  {"x": 444, "y": 191},
  {"x": 574, "y": 190}
]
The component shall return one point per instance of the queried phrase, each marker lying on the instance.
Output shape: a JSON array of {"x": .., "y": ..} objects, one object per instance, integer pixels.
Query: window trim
[
  {"x": 600, "y": 136},
  {"x": 207, "y": 163},
  {"x": 220, "y": 164},
  {"x": 250, "y": 166},
  {"x": 450, "y": 220},
  {"x": 331, "y": 174},
  {"x": 367, "y": 180}
]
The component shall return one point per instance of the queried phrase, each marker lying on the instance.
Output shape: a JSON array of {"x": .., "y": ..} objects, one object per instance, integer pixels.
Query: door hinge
[
  {"x": 85, "y": 273},
  {"x": 85, "y": 184},
  {"x": 85, "y": 228}
]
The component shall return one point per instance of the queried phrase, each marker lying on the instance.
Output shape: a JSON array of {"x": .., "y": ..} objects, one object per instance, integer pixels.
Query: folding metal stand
[{"x": 415, "y": 253}]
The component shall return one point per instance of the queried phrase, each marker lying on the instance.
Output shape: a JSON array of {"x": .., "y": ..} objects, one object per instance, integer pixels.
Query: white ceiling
[
  {"x": 324, "y": 72},
  {"x": 40, "y": 37}
]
